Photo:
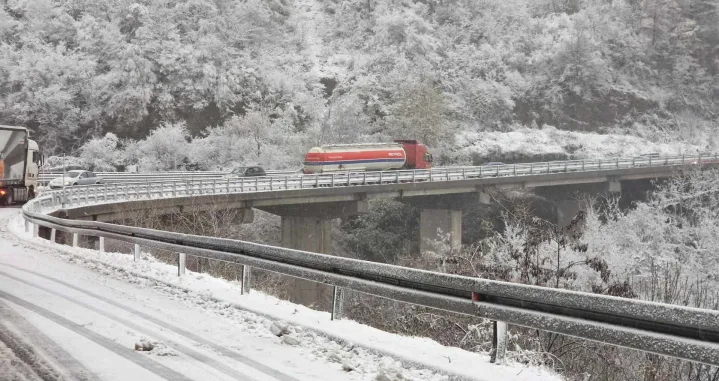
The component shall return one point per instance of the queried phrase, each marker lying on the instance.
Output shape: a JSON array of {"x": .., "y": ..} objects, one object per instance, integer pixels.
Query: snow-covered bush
[
  {"x": 166, "y": 148},
  {"x": 101, "y": 154}
]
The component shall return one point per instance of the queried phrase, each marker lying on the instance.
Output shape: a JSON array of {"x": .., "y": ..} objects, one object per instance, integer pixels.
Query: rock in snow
[
  {"x": 289, "y": 340},
  {"x": 279, "y": 329},
  {"x": 144, "y": 345},
  {"x": 348, "y": 366}
]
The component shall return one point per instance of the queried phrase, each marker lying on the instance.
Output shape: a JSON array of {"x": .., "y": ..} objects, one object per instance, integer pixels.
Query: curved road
[{"x": 62, "y": 321}]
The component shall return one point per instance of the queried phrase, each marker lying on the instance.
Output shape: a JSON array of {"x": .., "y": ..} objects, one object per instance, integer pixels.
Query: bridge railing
[
  {"x": 452, "y": 173},
  {"x": 113, "y": 177},
  {"x": 154, "y": 187}
]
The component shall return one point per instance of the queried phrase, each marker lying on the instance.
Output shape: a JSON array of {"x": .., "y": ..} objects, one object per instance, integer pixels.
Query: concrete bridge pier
[
  {"x": 308, "y": 228},
  {"x": 443, "y": 214},
  {"x": 570, "y": 200},
  {"x": 432, "y": 222}
]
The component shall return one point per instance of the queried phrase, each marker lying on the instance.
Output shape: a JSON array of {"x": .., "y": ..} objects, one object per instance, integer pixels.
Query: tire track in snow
[
  {"x": 182, "y": 348},
  {"x": 35, "y": 349},
  {"x": 98, "y": 339}
]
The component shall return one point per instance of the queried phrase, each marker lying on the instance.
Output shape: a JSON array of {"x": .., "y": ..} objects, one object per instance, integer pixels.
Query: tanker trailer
[{"x": 402, "y": 154}]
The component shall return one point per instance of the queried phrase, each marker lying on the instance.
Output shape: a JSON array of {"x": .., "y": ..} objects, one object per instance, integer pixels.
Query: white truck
[{"x": 20, "y": 161}]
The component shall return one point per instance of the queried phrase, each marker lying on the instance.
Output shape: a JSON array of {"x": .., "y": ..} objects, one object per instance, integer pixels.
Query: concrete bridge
[{"x": 308, "y": 203}]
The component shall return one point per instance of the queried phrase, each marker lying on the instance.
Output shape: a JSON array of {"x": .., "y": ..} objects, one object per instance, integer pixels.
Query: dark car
[{"x": 246, "y": 172}]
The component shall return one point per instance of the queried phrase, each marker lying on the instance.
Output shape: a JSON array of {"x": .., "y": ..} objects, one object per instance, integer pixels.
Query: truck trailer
[
  {"x": 20, "y": 161},
  {"x": 402, "y": 154}
]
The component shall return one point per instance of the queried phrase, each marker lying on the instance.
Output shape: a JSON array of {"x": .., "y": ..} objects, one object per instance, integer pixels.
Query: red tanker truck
[{"x": 402, "y": 154}]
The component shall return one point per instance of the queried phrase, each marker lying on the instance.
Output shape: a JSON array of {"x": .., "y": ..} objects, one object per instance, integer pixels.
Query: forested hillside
[{"x": 269, "y": 78}]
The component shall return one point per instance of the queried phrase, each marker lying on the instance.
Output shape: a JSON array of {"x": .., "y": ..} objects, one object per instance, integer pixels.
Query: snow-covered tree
[
  {"x": 101, "y": 154},
  {"x": 166, "y": 148}
]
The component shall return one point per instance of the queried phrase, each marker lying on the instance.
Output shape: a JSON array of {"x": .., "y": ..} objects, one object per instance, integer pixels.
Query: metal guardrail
[
  {"x": 682, "y": 332},
  {"x": 113, "y": 177}
]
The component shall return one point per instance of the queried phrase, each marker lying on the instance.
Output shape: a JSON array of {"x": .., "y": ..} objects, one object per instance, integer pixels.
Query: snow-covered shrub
[
  {"x": 101, "y": 154},
  {"x": 166, "y": 148}
]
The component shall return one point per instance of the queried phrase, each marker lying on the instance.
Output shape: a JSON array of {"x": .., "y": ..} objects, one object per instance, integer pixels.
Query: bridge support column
[
  {"x": 432, "y": 221},
  {"x": 570, "y": 200},
  {"x": 308, "y": 228},
  {"x": 307, "y": 234},
  {"x": 568, "y": 209}
]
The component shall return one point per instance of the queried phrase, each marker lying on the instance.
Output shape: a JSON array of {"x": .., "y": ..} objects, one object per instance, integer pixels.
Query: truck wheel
[{"x": 8, "y": 200}]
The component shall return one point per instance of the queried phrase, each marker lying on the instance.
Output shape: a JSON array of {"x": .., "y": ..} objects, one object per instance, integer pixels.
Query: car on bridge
[
  {"x": 75, "y": 177},
  {"x": 252, "y": 171}
]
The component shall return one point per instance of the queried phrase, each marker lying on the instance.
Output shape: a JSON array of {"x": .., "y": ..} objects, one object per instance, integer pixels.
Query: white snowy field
[{"x": 96, "y": 307}]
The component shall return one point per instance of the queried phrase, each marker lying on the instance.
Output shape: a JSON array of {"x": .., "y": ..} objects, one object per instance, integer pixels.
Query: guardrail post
[
  {"x": 246, "y": 279},
  {"x": 617, "y": 163},
  {"x": 181, "y": 258},
  {"x": 137, "y": 252},
  {"x": 337, "y": 303},
  {"x": 531, "y": 169},
  {"x": 53, "y": 233},
  {"x": 35, "y": 229},
  {"x": 228, "y": 186},
  {"x": 102, "y": 244},
  {"x": 75, "y": 239},
  {"x": 333, "y": 179},
  {"x": 242, "y": 185},
  {"x": 27, "y": 226},
  {"x": 174, "y": 189},
  {"x": 499, "y": 342},
  {"x": 464, "y": 173}
]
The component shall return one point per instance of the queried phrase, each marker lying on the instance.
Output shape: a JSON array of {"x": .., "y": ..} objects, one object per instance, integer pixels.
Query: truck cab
[{"x": 20, "y": 161}]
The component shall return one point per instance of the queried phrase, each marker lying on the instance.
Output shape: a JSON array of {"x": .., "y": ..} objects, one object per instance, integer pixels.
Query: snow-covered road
[{"x": 86, "y": 325}]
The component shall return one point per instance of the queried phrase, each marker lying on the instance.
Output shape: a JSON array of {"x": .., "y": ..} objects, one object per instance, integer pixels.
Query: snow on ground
[
  {"x": 550, "y": 142},
  {"x": 311, "y": 335}
]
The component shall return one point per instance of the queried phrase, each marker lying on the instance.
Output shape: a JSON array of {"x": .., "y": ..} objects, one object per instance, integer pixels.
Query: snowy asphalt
[{"x": 60, "y": 321}]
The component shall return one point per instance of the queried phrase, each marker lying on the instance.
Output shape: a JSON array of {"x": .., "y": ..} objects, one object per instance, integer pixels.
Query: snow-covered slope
[
  {"x": 314, "y": 348},
  {"x": 550, "y": 143}
]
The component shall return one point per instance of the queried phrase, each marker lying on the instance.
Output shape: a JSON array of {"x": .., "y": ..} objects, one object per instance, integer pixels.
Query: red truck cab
[{"x": 418, "y": 157}]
